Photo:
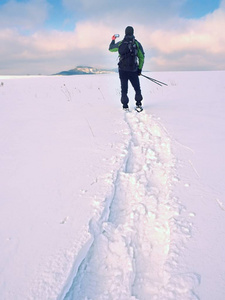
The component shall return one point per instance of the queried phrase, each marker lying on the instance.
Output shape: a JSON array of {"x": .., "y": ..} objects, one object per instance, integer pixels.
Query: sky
[{"x": 49, "y": 36}]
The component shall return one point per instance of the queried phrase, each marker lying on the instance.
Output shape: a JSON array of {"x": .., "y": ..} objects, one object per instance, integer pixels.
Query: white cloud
[
  {"x": 196, "y": 44},
  {"x": 191, "y": 44},
  {"x": 24, "y": 15},
  {"x": 190, "y": 32},
  {"x": 53, "y": 51}
]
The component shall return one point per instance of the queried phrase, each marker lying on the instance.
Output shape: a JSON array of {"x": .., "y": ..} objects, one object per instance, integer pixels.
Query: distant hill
[{"x": 81, "y": 70}]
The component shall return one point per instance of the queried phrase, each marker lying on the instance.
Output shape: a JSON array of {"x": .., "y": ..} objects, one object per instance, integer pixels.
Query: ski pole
[
  {"x": 151, "y": 79},
  {"x": 154, "y": 80},
  {"x": 157, "y": 81}
]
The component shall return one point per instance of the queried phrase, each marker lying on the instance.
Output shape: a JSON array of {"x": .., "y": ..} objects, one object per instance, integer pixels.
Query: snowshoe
[{"x": 138, "y": 108}]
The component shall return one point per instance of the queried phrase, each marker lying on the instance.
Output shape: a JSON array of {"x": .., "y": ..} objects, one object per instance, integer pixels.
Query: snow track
[{"x": 136, "y": 241}]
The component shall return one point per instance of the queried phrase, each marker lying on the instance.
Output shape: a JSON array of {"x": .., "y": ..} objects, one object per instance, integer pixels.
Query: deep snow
[{"x": 101, "y": 204}]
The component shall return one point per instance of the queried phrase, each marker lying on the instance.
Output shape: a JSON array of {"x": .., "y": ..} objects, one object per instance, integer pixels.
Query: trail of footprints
[{"x": 135, "y": 250}]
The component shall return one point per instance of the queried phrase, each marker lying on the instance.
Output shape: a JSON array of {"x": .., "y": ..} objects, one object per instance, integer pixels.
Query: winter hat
[{"x": 129, "y": 30}]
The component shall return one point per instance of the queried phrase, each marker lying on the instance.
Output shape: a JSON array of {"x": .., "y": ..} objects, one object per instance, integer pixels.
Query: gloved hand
[
  {"x": 114, "y": 37},
  {"x": 139, "y": 72}
]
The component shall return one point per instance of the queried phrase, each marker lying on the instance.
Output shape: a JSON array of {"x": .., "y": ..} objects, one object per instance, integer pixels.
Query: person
[{"x": 129, "y": 68}]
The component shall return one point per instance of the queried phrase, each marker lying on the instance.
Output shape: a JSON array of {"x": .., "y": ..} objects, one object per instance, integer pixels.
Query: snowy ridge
[{"x": 138, "y": 237}]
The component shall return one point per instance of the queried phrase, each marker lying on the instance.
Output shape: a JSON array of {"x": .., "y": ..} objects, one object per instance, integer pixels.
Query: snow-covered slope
[
  {"x": 82, "y": 70},
  {"x": 101, "y": 204}
]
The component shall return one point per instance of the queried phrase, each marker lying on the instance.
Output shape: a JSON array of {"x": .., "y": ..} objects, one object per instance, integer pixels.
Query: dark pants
[{"x": 134, "y": 79}]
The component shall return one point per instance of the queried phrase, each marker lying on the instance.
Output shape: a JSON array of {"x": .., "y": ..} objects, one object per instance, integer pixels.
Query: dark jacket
[{"x": 114, "y": 47}]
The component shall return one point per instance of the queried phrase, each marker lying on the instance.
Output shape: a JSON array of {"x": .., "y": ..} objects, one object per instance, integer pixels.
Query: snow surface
[{"x": 101, "y": 204}]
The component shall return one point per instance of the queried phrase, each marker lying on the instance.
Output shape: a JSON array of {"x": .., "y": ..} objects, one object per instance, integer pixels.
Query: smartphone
[{"x": 116, "y": 35}]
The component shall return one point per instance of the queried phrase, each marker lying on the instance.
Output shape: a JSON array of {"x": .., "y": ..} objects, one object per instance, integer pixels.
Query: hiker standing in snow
[{"x": 131, "y": 60}]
